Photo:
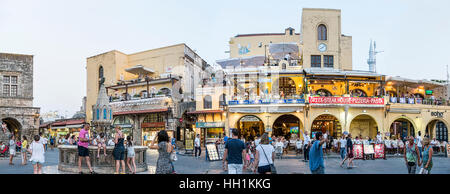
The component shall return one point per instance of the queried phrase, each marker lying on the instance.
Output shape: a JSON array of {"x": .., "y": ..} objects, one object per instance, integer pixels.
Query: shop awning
[
  {"x": 139, "y": 70},
  {"x": 74, "y": 126},
  {"x": 140, "y": 111},
  {"x": 205, "y": 111}
]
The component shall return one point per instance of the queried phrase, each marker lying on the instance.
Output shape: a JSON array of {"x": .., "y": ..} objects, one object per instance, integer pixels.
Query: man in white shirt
[
  {"x": 197, "y": 146},
  {"x": 343, "y": 143},
  {"x": 379, "y": 138},
  {"x": 306, "y": 145},
  {"x": 258, "y": 139}
]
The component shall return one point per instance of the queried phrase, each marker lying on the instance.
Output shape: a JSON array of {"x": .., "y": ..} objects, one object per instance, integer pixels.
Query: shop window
[
  {"x": 207, "y": 102},
  {"x": 322, "y": 32},
  {"x": 316, "y": 61},
  {"x": 328, "y": 61}
]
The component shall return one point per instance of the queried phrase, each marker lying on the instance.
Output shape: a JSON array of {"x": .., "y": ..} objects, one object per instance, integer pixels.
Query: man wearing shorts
[
  {"x": 83, "y": 151},
  {"x": 234, "y": 154}
]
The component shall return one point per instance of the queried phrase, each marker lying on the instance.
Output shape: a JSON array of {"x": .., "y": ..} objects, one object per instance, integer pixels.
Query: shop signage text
[
  {"x": 155, "y": 124},
  {"x": 346, "y": 100},
  {"x": 437, "y": 114},
  {"x": 209, "y": 124}
]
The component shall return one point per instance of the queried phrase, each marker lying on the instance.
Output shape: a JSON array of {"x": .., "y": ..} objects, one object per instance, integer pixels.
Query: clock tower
[{"x": 323, "y": 44}]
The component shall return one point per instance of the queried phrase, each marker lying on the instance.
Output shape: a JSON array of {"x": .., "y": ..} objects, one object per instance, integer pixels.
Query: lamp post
[{"x": 388, "y": 109}]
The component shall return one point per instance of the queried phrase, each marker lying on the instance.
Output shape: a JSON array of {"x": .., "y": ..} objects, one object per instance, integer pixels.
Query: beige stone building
[
  {"x": 149, "y": 91},
  {"x": 309, "y": 85}
]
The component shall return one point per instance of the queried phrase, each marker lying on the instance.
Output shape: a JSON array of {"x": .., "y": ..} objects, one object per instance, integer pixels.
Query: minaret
[{"x": 372, "y": 61}]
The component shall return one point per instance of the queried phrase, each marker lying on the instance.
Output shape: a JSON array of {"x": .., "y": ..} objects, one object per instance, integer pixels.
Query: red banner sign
[
  {"x": 379, "y": 151},
  {"x": 358, "y": 152},
  {"x": 346, "y": 100}
]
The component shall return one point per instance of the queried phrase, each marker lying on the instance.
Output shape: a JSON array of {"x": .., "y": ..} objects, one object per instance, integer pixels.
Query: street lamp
[{"x": 388, "y": 109}]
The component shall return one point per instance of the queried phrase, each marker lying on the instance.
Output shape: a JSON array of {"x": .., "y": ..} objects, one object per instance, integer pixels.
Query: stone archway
[
  {"x": 286, "y": 125},
  {"x": 327, "y": 123},
  {"x": 14, "y": 126},
  {"x": 402, "y": 127},
  {"x": 249, "y": 126},
  {"x": 363, "y": 125},
  {"x": 437, "y": 128}
]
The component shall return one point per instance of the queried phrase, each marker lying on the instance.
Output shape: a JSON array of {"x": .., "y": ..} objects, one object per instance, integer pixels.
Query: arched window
[
  {"x": 222, "y": 100},
  {"x": 207, "y": 102},
  {"x": 322, "y": 32},
  {"x": 100, "y": 72}
]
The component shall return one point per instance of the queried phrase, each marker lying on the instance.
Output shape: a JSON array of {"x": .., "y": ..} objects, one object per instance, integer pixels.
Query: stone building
[{"x": 16, "y": 96}]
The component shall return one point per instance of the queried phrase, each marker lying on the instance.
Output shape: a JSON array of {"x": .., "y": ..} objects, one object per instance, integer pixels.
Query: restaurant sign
[{"x": 346, "y": 100}]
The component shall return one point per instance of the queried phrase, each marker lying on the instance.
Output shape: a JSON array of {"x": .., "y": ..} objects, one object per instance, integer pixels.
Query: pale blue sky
[{"x": 61, "y": 34}]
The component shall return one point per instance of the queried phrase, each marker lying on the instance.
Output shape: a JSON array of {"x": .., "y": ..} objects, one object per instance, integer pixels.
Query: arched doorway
[
  {"x": 437, "y": 129},
  {"x": 419, "y": 95},
  {"x": 249, "y": 126},
  {"x": 401, "y": 128},
  {"x": 358, "y": 92},
  {"x": 125, "y": 122},
  {"x": 363, "y": 126},
  {"x": 327, "y": 123},
  {"x": 323, "y": 92},
  {"x": 286, "y": 126},
  {"x": 13, "y": 126}
]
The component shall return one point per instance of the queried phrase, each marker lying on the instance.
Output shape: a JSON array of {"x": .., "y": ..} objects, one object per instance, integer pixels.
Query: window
[
  {"x": 10, "y": 86},
  {"x": 291, "y": 32},
  {"x": 316, "y": 61},
  {"x": 207, "y": 102},
  {"x": 328, "y": 61},
  {"x": 322, "y": 32},
  {"x": 6, "y": 90},
  {"x": 222, "y": 100},
  {"x": 154, "y": 118},
  {"x": 13, "y": 90}
]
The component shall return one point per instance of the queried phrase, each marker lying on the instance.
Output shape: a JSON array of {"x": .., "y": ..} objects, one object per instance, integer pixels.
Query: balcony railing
[
  {"x": 427, "y": 101},
  {"x": 268, "y": 101},
  {"x": 129, "y": 97}
]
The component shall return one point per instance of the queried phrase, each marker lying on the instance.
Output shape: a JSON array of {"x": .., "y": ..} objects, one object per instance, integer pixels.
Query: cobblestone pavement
[{"x": 187, "y": 164}]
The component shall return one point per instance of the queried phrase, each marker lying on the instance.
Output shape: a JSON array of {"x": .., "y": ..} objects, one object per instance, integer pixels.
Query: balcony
[{"x": 427, "y": 101}]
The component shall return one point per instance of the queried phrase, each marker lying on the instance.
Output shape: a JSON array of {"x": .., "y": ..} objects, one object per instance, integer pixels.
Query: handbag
[
  {"x": 272, "y": 166},
  {"x": 423, "y": 171},
  {"x": 173, "y": 156}
]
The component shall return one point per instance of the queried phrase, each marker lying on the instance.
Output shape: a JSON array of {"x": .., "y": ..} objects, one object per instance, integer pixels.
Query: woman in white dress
[{"x": 37, "y": 154}]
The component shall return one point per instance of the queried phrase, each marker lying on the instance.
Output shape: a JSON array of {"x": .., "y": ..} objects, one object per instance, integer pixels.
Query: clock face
[{"x": 322, "y": 47}]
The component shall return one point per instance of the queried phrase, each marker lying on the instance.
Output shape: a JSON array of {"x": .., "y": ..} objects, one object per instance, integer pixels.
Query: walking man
[
  {"x": 197, "y": 146},
  {"x": 306, "y": 145},
  {"x": 342, "y": 143},
  {"x": 234, "y": 154},
  {"x": 83, "y": 151},
  {"x": 316, "y": 155}
]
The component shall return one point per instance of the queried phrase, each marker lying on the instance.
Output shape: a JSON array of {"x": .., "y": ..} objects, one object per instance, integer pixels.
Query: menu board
[
  {"x": 379, "y": 151},
  {"x": 358, "y": 151},
  {"x": 448, "y": 150},
  {"x": 189, "y": 144},
  {"x": 211, "y": 150},
  {"x": 221, "y": 150},
  {"x": 368, "y": 149}
]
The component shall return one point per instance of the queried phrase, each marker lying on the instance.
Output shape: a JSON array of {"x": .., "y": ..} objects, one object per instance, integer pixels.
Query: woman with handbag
[
  {"x": 265, "y": 156},
  {"x": 427, "y": 155},
  {"x": 411, "y": 155},
  {"x": 163, "y": 164}
]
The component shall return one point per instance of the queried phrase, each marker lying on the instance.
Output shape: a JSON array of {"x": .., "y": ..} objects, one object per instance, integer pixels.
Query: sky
[{"x": 414, "y": 34}]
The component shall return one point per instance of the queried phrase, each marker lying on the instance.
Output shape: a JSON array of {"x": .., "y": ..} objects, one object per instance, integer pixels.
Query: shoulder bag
[{"x": 272, "y": 166}]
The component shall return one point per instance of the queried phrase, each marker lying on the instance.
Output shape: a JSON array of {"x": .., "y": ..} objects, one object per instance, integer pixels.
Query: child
[
  {"x": 101, "y": 142},
  {"x": 37, "y": 155},
  {"x": 130, "y": 154}
]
